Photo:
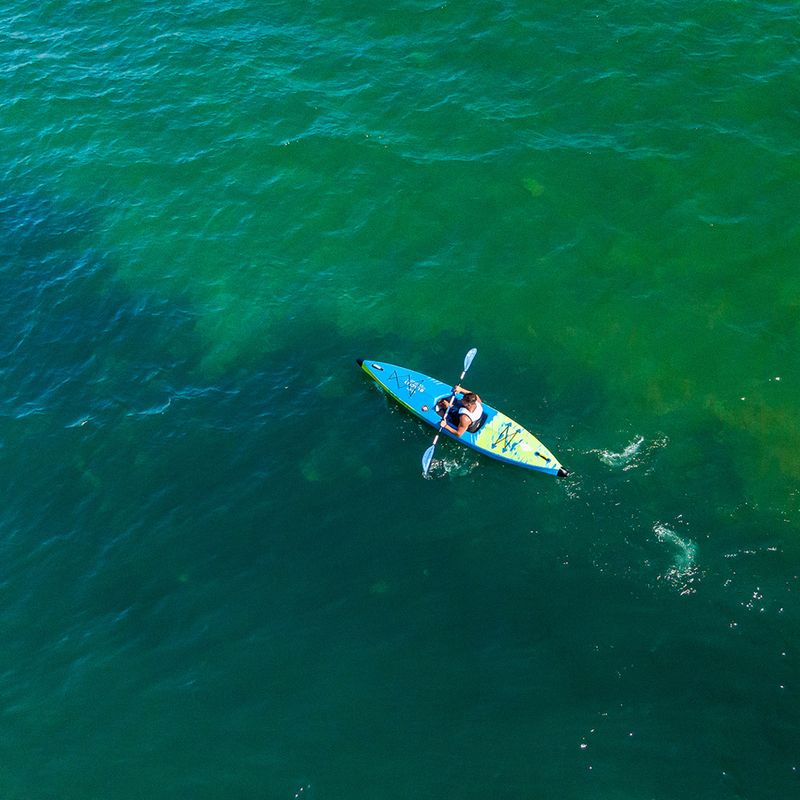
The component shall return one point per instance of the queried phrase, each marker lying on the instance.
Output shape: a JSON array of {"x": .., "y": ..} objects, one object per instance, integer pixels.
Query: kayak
[{"x": 498, "y": 437}]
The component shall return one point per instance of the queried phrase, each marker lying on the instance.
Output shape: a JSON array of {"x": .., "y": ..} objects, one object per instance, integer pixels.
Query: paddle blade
[
  {"x": 427, "y": 457},
  {"x": 468, "y": 358}
]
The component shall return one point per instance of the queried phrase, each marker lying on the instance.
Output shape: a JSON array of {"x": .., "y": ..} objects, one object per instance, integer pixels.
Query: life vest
[{"x": 476, "y": 418}]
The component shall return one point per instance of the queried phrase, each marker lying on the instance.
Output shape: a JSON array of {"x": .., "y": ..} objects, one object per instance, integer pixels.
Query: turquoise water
[{"x": 222, "y": 574}]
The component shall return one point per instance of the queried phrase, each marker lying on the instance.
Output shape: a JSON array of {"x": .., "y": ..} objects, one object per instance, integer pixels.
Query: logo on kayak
[
  {"x": 408, "y": 383},
  {"x": 507, "y": 437}
]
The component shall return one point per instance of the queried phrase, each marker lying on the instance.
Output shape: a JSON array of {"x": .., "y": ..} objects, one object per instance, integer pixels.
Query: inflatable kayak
[{"x": 498, "y": 437}]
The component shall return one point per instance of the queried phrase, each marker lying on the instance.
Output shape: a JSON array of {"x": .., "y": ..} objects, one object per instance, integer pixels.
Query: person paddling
[{"x": 466, "y": 413}]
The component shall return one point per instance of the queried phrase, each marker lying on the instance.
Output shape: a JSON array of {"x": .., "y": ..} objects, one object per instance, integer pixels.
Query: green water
[{"x": 222, "y": 573}]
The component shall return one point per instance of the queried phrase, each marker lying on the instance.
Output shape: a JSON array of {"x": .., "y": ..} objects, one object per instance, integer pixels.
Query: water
[{"x": 223, "y": 575}]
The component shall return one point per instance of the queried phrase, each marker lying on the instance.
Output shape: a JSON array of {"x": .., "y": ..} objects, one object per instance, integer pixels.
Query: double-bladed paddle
[{"x": 428, "y": 455}]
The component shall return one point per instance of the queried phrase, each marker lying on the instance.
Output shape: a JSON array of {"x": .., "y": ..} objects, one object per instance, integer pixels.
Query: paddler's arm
[
  {"x": 463, "y": 424},
  {"x": 458, "y": 389}
]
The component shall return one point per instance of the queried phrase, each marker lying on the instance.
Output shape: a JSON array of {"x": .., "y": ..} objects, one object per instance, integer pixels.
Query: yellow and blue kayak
[{"x": 499, "y": 436}]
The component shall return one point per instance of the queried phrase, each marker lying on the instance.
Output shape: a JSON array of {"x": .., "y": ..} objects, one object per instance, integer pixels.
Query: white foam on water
[
  {"x": 632, "y": 455},
  {"x": 683, "y": 571},
  {"x": 451, "y": 467}
]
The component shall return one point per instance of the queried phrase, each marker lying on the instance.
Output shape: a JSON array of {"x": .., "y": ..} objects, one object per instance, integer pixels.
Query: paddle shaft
[
  {"x": 447, "y": 410},
  {"x": 428, "y": 456}
]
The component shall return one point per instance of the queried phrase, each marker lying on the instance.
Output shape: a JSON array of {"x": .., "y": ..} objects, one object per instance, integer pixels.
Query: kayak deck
[{"x": 500, "y": 437}]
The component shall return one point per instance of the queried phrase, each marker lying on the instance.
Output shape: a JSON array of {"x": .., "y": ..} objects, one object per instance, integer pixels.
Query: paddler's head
[{"x": 470, "y": 400}]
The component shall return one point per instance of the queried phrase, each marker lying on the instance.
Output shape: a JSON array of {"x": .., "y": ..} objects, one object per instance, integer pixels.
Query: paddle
[{"x": 428, "y": 455}]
